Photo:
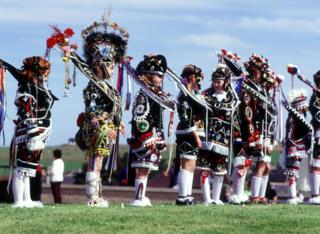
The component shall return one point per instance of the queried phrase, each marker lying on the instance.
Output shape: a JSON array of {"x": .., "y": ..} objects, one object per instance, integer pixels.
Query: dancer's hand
[
  {"x": 112, "y": 134},
  {"x": 122, "y": 129},
  {"x": 198, "y": 140}
]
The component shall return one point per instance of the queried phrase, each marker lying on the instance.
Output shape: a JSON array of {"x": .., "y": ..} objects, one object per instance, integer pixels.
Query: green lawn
[{"x": 165, "y": 218}]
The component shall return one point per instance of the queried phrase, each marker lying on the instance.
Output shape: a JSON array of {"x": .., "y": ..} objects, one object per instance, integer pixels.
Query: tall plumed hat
[
  {"x": 256, "y": 62},
  {"x": 153, "y": 64},
  {"x": 104, "y": 40},
  {"x": 192, "y": 70},
  {"x": 221, "y": 72},
  {"x": 298, "y": 99},
  {"x": 36, "y": 64}
]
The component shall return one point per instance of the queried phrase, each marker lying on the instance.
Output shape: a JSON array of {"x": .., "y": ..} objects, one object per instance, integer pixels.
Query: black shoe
[
  {"x": 182, "y": 201},
  {"x": 191, "y": 200}
]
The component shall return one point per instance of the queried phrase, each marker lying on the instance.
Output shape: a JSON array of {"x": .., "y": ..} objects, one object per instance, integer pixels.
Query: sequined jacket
[
  {"x": 147, "y": 122},
  {"x": 251, "y": 112},
  {"x": 219, "y": 120},
  {"x": 299, "y": 133},
  {"x": 98, "y": 104},
  {"x": 33, "y": 102},
  {"x": 190, "y": 116},
  {"x": 258, "y": 113}
]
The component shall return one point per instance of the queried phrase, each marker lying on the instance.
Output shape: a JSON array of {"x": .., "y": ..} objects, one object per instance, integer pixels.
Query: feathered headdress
[
  {"x": 298, "y": 99},
  {"x": 256, "y": 62},
  {"x": 104, "y": 40}
]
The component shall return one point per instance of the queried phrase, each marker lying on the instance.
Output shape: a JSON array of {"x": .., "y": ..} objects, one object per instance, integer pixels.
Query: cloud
[
  {"x": 212, "y": 40},
  {"x": 280, "y": 24}
]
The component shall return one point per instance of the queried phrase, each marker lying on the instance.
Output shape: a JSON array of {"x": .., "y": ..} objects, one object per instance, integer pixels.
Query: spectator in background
[{"x": 56, "y": 175}]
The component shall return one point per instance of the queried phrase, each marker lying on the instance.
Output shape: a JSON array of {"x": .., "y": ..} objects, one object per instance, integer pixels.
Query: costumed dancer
[
  {"x": 299, "y": 137},
  {"x": 212, "y": 159},
  {"x": 314, "y": 107},
  {"x": 251, "y": 112},
  {"x": 105, "y": 45},
  {"x": 189, "y": 130},
  {"x": 268, "y": 118},
  {"x": 32, "y": 127},
  {"x": 147, "y": 140}
]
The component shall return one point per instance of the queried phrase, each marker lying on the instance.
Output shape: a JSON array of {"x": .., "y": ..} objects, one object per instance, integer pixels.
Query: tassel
[
  {"x": 74, "y": 76},
  {"x": 129, "y": 86},
  {"x": 128, "y": 98},
  {"x": 67, "y": 79},
  {"x": 120, "y": 78}
]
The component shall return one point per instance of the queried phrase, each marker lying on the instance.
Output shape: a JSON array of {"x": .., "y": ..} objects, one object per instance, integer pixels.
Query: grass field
[{"x": 164, "y": 218}]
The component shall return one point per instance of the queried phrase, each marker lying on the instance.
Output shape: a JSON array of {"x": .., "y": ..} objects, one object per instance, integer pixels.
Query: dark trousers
[{"x": 56, "y": 191}]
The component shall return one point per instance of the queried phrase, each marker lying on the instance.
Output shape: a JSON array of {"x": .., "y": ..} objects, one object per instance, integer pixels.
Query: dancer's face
[
  {"x": 110, "y": 68},
  {"x": 218, "y": 85},
  {"x": 195, "y": 82},
  {"x": 156, "y": 80}
]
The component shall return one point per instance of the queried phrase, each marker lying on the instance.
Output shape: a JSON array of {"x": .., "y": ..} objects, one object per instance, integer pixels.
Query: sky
[{"x": 185, "y": 31}]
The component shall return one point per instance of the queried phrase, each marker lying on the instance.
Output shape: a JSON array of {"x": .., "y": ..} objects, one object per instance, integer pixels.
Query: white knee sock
[
  {"x": 314, "y": 183},
  {"x": 217, "y": 182},
  {"x": 205, "y": 186},
  {"x": 26, "y": 194},
  {"x": 238, "y": 182},
  {"x": 140, "y": 186},
  {"x": 292, "y": 190},
  {"x": 183, "y": 182},
  {"x": 18, "y": 187},
  {"x": 92, "y": 185},
  {"x": 255, "y": 186},
  {"x": 190, "y": 183},
  {"x": 263, "y": 188}
]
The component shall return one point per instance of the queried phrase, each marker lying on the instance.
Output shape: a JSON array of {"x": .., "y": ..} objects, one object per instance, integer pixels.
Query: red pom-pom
[
  {"x": 51, "y": 42},
  {"x": 69, "y": 32},
  {"x": 59, "y": 38},
  {"x": 74, "y": 45}
]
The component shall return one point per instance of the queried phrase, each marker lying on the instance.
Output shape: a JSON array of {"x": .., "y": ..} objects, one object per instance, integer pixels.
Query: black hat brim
[{"x": 234, "y": 68}]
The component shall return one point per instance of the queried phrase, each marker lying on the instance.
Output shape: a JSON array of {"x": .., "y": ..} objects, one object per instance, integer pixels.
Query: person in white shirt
[{"x": 56, "y": 175}]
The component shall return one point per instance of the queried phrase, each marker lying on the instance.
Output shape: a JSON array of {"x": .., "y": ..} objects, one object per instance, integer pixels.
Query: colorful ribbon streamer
[
  {"x": 2, "y": 98},
  {"x": 120, "y": 78}
]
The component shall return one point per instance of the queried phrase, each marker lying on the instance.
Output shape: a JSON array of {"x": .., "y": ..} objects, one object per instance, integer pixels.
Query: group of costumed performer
[
  {"x": 105, "y": 45},
  {"x": 214, "y": 126},
  {"x": 32, "y": 126}
]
